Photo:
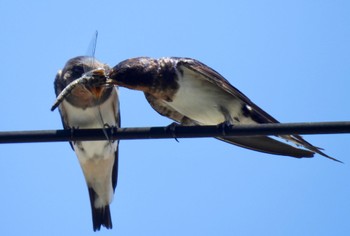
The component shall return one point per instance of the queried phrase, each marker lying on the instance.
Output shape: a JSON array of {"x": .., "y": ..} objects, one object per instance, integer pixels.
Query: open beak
[{"x": 97, "y": 91}]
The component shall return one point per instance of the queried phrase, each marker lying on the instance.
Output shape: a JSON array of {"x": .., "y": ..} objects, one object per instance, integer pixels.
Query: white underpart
[
  {"x": 96, "y": 157},
  {"x": 203, "y": 101}
]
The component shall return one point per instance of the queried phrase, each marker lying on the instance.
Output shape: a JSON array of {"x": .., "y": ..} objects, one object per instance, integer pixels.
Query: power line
[{"x": 174, "y": 131}]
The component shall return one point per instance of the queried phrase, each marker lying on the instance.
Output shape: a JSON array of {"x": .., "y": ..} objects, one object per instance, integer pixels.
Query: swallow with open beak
[
  {"x": 191, "y": 93},
  {"x": 92, "y": 107}
]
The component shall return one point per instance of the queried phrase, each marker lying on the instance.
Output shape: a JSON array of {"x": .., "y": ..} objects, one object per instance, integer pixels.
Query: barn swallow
[
  {"x": 92, "y": 107},
  {"x": 191, "y": 93}
]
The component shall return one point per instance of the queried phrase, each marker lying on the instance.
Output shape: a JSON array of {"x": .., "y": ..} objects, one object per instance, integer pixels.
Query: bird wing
[
  {"x": 258, "y": 114},
  {"x": 256, "y": 143},
  {"x": 116, "y": 111},
  {"x": 59, "y": 86}
]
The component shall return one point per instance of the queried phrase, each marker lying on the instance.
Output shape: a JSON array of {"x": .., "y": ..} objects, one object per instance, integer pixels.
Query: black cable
[{"x": 174, "y": 132}]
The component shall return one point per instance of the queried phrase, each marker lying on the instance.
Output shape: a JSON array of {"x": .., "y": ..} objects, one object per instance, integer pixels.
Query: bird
[
  {"x": 92, "y": 107},
  {"x": 191, "y": 93}
]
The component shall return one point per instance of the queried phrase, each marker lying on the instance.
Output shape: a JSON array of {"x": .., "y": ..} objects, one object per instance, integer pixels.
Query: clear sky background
[{"x": 292, "y": 58}]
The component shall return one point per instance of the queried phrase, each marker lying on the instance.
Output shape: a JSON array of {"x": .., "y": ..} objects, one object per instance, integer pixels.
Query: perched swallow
[
  {"x": 192, "y": 93},
  {"x": 92, "y": 107}
]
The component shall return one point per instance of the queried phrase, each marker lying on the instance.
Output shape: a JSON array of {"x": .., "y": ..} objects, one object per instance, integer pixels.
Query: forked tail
[{"x": 100, "y": 216}]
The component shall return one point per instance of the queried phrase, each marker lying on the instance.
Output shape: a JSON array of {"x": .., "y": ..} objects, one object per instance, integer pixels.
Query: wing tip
[
  {"x": 329, "y": 157},
  {"x": 302, "y": 142}
]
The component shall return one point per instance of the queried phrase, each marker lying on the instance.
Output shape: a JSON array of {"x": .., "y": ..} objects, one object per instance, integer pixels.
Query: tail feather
[
  {"x": 268, "y": 145},
  {"x": 272, "y": 146},
  {"x": 100, "y": 216}
]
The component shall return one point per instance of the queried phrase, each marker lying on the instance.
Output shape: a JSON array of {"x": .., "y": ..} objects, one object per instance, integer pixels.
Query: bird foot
[
  {"x": 112, "y": 128},
  {"x": 172, "y": 129},
  {"x": 224, "y": 126},
  {"x": 72, "y": 134}
]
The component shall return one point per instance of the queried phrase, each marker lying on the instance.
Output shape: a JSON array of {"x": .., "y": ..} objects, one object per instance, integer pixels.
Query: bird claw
[
  {"x": 111, "y": 128},
  {"x": 171, "y": 128},
  {"x": 72, "y": 135},
  {"x": 224, "y": 126}
]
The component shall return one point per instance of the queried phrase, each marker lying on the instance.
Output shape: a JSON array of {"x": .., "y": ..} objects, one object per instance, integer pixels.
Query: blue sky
[{"x": 290, "y": 57}]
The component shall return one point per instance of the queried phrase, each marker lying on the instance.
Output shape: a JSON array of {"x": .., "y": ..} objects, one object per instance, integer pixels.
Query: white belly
[
  {"x": 96, "y": 157},
  {"x": 92, "y": 117}
]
